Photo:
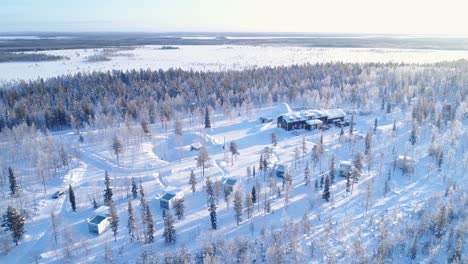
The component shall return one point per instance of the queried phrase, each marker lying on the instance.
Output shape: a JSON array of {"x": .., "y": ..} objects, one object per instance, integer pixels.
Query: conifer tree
[
  {"x": 207, "y": 118},
  {"x": 14, "y": 188},
  {"x": 202, "y": 159},
  {"x": 131, "y": 222},
  {"x": 351, "y": 124},
  {"x": 117, "y": 147},
  {"x": 179, "y": 208},
  {"x": 238, "y": 206},
  {"x": 326, "y": 189},
  {"x": 71, "y": 196},
  {"x": 249, "y": 204},
  {"x": 233, "y": 150},
  {"x": 193, "y": 181},
  {"x": 108, "y": 190},
  {"x": 14, "y": 222},
  {"x": 134, "y": 189},
  {"x": 307, "y": 174},
  {"x": 274, "y": 139},
  {"x": 212, "y": 209},
  {"x": 149, "y": 232},
  {"x": 169, "y": 230},
  {"x": 114, "y": 220},
  {"x": 254, "y": 195},
  {"x": 375, "y": 125},
  {"x": 332, "y": 169}
]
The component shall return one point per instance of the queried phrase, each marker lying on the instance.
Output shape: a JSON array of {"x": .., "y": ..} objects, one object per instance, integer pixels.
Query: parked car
[
  {"x": 340, "y": 123},
  {"x": 58, "y": 194}
]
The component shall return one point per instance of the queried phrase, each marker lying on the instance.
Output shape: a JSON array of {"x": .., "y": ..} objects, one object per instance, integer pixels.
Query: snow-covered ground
[
  {"x": 214, "y": 58},
  {"x": 161, "y": 162}
]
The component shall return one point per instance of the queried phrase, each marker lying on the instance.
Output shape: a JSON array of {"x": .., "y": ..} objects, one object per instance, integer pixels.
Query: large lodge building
[{"x": 309, "y": 119}]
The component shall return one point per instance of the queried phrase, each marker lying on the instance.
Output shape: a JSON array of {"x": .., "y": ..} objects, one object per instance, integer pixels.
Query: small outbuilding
[
  {"x": 344, "y": 168},
  {"x": 98, "y": 224},
  {"x": 166, "y": 201},
  {"x": 280, "y": 170},
  {"x": 230, "y": 184},
  {"x": 196, "y": 146}
]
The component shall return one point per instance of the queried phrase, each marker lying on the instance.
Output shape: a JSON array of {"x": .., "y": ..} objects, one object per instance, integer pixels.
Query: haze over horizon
[{"x": 299, "y": 16}]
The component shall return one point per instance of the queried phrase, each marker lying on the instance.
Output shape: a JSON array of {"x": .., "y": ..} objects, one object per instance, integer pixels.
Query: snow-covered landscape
[
  {"x": 207, "y": 132},
  {"x": 213, "y": 58}
]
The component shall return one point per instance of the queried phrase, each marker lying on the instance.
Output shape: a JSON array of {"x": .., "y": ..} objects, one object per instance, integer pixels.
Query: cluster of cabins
[{"x": 311, "y": 119}]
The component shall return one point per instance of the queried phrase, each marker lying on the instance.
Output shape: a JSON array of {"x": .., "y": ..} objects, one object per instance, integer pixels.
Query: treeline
[
  {"x": 157, "y": 96},
  {"x": 28, "y": 57}
]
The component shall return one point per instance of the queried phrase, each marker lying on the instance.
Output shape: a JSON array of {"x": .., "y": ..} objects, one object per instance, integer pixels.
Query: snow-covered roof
[
  {"x": 196, "y": 145},
  {"x": 314, "y": 122},
  {"x": 335, "y": 113},
  {"x": 402, "y": 157},
  {"x": 345, "y": 163},
  {"x": 102, "y": 210},
  {"x": 313, "y": 114}
]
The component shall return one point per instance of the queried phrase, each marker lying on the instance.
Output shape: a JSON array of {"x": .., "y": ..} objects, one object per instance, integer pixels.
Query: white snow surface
[
  {"x": 161, "y": 162},
  {"x": 214, "y": 58}
]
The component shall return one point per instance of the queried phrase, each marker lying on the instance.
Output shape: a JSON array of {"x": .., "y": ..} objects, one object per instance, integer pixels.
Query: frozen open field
[{"x": 214, "y": 58}]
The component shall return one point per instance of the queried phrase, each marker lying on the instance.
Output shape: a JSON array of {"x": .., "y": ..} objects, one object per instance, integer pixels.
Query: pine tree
[
  {"x": 202, "y": 159},
  {"x": 326, "y": 189},
  {"x": 238, "y": 206},
  {"x": 209, "y": 187},
  {"x": 212, "y": 209},
  {"x": 260, "y": 167},
  {"x": 368, "y": 143},
  {"x": 108, "y": 190},
  {"x": 274, "y": 139},
  {"x": 114, "y": 220},
  {"x": 348, "y": 183},
  {"x": 249, "y": 204},
  {"x": 413, "y": 136},
  {"x": 13, "y": 184},
  {"x": 179, "y": 208},
  {"x": 207, "y": 118},
  {"x": 117, "y": 147},
  {"x": 149, "y": 232},
  {"x": 233, "y": 150},
  {"x": 332, "y": 169},
  {"x": 193, "y": 181},
  {"x": 357, "y": 164},
  {"x": 169, "y": 230},
  {"x": 14, "y": 222},
  {"x": 71, "y": 196},
  {"x": 375, "y": 125},
  {"x": 134, "y": 189},
  {"x": 131, "y": 222},
  {"x": 95, "y": 205},
  {"x": 351, "y": 124},
  {"x": 307, "y": 174},
  {"x": 304, "y": 147},
  {"x": 254, "y": 195}
]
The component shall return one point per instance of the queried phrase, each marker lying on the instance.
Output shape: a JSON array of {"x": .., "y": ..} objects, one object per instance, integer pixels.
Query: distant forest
[
  {"x": 104, "y": 98},
  {"x": 28, "y": 57}
]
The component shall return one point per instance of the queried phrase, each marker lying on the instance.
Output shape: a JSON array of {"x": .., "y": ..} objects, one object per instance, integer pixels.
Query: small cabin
[
  {"x": 100, "y": 222},
  {"x": 230, "y": 184},
  {"x": 280, "y": 170},
  {"x": 290, "y": 122},
  {"x": 167, "y": 200},
  {"x": 313, "y": 124},
  {"x": 344, "y": 168}
]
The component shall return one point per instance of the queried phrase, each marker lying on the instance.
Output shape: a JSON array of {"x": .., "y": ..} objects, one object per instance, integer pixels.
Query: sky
[{"x": 446, "y": 17}]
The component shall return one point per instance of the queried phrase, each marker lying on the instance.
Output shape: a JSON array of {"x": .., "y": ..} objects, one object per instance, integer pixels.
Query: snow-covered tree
[
  {"x": 134, "y": 189},
  {"x": 14, "y": 222},
  {"x": 179, "y": 208},
  {"x": 131, "y": 225},
  {"x": 212, "y": 210},
  {"x": 238, "y": 206},
  {"x": 193, "y": 181},
  {"x": 234, "y": 151},
  {"x": 169, "y": 233},
  {"x": 114, "y": 220},
  {"x": 108, "y": 191},
  {"x": 202, "y": 159},
  {"x": 14, "y": 188}
]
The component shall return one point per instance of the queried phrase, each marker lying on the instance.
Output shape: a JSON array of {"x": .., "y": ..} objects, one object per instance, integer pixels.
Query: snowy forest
[{"x": 125, "y": 139}]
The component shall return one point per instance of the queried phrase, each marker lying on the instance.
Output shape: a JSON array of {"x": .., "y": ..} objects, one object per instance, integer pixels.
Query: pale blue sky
[{"x": 348, "y": 16}]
